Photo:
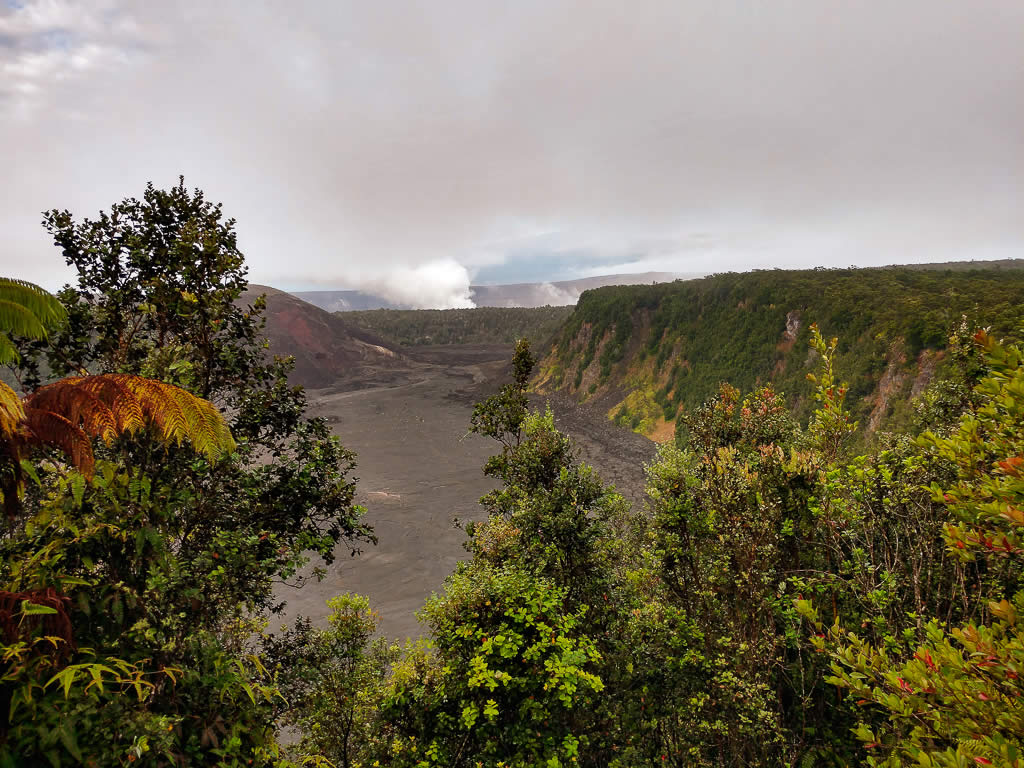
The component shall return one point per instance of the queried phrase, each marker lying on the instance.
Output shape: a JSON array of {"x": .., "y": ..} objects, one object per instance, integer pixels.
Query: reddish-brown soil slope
[{"x": 325, "y": 347}]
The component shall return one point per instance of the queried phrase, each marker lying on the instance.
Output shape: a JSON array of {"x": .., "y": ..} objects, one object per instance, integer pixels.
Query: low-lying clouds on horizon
[{"x": 410, "y": 147}]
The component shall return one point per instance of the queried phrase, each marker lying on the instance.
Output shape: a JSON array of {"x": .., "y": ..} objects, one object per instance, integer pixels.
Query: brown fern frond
[
  {"x": 70, "y": 413},
  {"x": 115, "y": 392},
  {"x": 39, "y": 427},
  {"x": 77, "y": 400},
  {"x": 109, "y": 405},
  {"x": 50, "y": 428}
]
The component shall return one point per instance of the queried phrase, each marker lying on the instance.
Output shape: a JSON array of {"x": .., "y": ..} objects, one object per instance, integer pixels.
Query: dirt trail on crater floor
[{"x": 419, "y": 469}]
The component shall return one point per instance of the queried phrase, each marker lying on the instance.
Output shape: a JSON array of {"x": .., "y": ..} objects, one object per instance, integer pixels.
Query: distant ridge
[
  {"x": 966, "y": 266},
  {"x": 560, "y": 293},
  {"x": 567, "y": 292}
]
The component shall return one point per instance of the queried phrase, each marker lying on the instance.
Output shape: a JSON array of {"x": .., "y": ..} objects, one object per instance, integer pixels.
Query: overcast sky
[{"x": 410, "y": 147}]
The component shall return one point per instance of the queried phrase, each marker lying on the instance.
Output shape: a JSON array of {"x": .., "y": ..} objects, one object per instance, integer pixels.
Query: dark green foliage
[
  {"x": 731, "y": 327},
  {"x": 501, "y": 416},
  {"x": 755, "y": 523},
  {"x": 327, "y": 679},
  {"x": 781, "y": 601},
  {"x": 168, "y": 559},
  {"x": 483, "y": 325},
  {"x": 956, "y": 698},
  {"x": 158, "y": 281},
  {"x": 732, "y": 519}
]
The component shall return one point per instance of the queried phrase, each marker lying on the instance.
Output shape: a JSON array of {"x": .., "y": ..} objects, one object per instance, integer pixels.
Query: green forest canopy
[
  {"x": 780, "y": 600},
  {"x": 730, "y": 327},
  {"x": 481, "y": 325}
]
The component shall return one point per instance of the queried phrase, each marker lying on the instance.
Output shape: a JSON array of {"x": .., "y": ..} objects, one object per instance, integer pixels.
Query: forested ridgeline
[
  {"x": 481, "y": 325},
  {"x": 780, "y": 599},
  {"x": 646, "y": 353}
]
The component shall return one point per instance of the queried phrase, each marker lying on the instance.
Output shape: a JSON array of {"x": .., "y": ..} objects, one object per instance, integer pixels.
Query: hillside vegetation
[
  {"x": 649, "y": 352},
  {"x": 781, "y": 598},
  {"x": 482, "y": 325}
]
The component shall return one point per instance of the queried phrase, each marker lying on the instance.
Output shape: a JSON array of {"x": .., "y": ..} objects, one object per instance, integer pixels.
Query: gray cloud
[{"x": 399, "y": 145}]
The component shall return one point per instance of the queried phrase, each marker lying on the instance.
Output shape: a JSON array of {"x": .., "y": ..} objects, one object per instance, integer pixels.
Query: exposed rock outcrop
[{"x": 889, "y": 385}]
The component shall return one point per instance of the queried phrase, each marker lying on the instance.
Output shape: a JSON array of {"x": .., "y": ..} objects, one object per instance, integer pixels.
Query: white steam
[
  {"x": 548, "y": 293},
  {"x": 439, "y": 284}
]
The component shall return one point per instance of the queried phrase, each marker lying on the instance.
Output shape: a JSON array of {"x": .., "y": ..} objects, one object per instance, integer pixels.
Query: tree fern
[
  {"x": 25, "y": 310},
  {"x": 12, "y": 412},
  {"x": 110, "y": 405},
  {"x": 69, "y": 414},
  {"x": 56, "y": 430}
]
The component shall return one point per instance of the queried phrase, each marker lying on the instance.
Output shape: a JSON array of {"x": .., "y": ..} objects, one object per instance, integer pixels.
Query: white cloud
[{"x": 357, "y": 141}]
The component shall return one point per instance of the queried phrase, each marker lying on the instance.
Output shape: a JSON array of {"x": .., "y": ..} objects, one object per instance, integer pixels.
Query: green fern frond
[
  {"x": 44, "y": 305},
  {"x": 25, "y": 310},
  {"x": 18, "y": 320},
  {"x": 971, "y": 748},
  {"x": 8, "y": 352},
  {"x": 203, "y": 422}
]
